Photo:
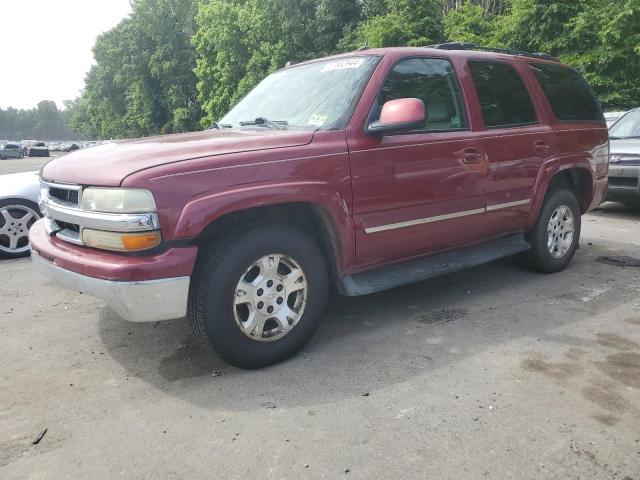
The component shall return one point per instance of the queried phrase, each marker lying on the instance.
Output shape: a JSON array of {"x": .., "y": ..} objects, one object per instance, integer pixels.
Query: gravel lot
[{"x": 496, "y": 372}]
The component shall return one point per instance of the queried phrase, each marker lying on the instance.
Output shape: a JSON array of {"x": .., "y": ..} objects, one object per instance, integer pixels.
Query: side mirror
[{"x": 402, "y": 115}]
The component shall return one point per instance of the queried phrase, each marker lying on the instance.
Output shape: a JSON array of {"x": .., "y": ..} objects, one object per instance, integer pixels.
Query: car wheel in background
[
  {"x": 555, "y": 237},
  {"x": 16, "y": 218},
  {"x": 258, "y": 296},
  {"x": 21, "y": 156}
]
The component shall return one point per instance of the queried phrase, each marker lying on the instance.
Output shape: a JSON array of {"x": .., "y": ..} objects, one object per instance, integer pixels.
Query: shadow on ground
[{"x": 368, "y": 343}]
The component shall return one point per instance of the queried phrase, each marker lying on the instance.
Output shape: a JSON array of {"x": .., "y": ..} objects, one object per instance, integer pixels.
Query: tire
[
  {"x": 21, "y": 156},
  {"x": 221, "y": 299},
  {"x": 554, "y": 223},
  {"x": 12, "y": 211}
]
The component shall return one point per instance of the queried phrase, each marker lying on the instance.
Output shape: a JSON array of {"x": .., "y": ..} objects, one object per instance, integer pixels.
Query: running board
[{"x": 429, "y": 267}]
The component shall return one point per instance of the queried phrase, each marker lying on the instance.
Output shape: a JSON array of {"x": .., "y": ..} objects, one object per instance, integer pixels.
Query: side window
[
  {"x": 504, "y": 99},
  {"x": 570, "y": 96},
  {"x": 435, "y": 83}
]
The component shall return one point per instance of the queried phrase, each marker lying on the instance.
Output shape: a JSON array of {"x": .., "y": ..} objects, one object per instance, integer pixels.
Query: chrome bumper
[
  {"x": 624, "y": 182},
  {"x": 150, "y": 301}
]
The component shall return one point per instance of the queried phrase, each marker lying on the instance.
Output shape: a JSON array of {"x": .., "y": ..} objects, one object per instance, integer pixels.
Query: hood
[
  {"x": 110, "y": 164},
  {"x": 625, "y": 152}
]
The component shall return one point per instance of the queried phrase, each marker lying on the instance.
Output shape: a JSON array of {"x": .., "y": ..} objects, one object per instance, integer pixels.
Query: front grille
[
  {"x": 64, "y": 194},
  {"x": 629, "y": 182},
  {"x": 69, "y": 226}
]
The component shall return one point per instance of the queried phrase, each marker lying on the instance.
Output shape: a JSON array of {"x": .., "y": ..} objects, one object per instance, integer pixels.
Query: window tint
[
  {"x": 434, "y": 82},
  {"x": 569, "y": 95},
  {"x": 504, "y": 99}
]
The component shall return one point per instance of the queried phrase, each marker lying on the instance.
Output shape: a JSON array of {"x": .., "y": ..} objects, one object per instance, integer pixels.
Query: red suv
[{"x": 366, "y": 171}]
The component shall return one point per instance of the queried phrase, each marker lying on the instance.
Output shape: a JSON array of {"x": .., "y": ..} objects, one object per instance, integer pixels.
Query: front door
[{"x": 418, "y": 192}]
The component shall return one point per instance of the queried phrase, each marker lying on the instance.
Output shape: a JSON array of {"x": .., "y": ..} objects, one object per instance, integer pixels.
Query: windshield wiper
[
  {"x": 630, "y": 137},
  {"x": 219, "y": 126},
  {"x": 263, "y": 122}
]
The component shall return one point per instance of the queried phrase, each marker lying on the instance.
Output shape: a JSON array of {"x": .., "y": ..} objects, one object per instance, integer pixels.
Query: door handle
[
  {"x": 541, "y": 146},
  {"x": 472, "y": 155}
]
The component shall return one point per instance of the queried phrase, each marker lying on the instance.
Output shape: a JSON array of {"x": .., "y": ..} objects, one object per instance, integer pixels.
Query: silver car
[
  {"x": 18, "y": 211},
  {"x": 624, "y": 166},
  {"x": 11, "y": 150}
]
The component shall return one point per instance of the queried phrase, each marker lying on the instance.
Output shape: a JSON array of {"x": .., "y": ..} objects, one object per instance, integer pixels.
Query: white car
[{"x": 18, "y": 211}]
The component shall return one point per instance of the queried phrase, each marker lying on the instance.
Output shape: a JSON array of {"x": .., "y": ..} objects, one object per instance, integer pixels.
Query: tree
[
  {"x": 177, "y": 65},
  {"x": 143, "y": 81},
  {"x": 238, "y": 43},
  {"x": 600, "y": 38},
  {"x": 396, "y": 23},
  {"x": 44, "y": 122}
]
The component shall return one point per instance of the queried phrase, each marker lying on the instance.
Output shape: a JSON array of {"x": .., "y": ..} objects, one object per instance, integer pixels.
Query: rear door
[
  {"x": 421, "y": 191},
  {"x": 516, "y": 141}
]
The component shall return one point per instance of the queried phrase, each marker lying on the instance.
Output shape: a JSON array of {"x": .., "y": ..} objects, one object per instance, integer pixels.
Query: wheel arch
[
  {"x": 313, "y": 219},
  {"x": 577, "y": 177}
]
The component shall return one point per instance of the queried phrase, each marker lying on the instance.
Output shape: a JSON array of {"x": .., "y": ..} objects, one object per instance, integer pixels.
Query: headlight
[
  {"x": 118, "y": 200},
  {"x": 121, "y": 242}
]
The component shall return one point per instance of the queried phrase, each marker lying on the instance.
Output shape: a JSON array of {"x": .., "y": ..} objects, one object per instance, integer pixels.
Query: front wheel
[
  {"x": 16, "y": 218},
  {"x": 257, "y": 297},
  {"x": 555, "y": 237}
]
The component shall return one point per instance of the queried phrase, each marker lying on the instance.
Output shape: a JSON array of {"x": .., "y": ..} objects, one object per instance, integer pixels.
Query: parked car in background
[
  {"x": 612, "y": 117},
  {"x": 624, "y": 170},
  {"x": 34, "y": 148},
  {"x": 69, "y": 147},
  {"x": 11, "y": 150},
  {"x": 368, "y": 171},
  {"x": 18, "y": 212}
]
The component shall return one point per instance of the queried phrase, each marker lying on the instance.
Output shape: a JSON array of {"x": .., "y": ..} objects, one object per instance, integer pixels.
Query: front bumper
[
  {"x": 148, "y": 301},
  {"x": 139, "y": 288},
  {"x": 624, "y": 183}
]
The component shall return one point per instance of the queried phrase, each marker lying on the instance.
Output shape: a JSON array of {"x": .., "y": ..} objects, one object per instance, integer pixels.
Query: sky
[{"x": 48, "y": 45}]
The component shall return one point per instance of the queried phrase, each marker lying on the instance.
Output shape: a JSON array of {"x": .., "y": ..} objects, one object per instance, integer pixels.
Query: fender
[
  {"x": 202, "y": 211},
  {"x": 549, "y": 170}
]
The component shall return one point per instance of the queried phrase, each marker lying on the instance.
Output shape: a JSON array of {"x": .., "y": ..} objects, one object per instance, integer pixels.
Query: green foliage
[
  {"x": 600, "y": 38},
  {"x": 395, "y": 23},
  {"x": 239, "y": 42},
  {"x": 143, "y": 81},
  {"x": 177, "y": 65},
  {"x": 45, "y": 122},
  {"x": 470, "y": 23}
]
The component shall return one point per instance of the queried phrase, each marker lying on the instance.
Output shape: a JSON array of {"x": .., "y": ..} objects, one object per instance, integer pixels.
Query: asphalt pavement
[{"x": 496, "y": 372}]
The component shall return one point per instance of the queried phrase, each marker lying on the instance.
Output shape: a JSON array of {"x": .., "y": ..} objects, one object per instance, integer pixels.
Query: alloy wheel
[
  {"x": 270, "y": 298},
  {"x": 560, "y": 231},
  {"x": 15, "y": 221}
]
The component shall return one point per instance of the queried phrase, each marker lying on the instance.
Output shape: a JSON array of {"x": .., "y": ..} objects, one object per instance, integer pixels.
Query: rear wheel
[
  {"x": 16, "y": 218},
  {"x": 555, "y": 237},
  {"x": 258, "y": 297}
]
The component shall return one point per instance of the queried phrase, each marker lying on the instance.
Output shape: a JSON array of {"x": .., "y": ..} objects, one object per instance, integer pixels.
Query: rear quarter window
[
  {"x": 570, "y": 96},
  {"x": 504, "y": 99}
]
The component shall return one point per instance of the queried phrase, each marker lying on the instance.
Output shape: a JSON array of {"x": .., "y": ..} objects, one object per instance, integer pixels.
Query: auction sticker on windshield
[
  {"x": 318, "y": 120},
  {"x": 348, "y": 63}
]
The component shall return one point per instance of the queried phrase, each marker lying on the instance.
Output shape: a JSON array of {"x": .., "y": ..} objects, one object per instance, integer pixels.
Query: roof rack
[{"x": 473, "y": 46}]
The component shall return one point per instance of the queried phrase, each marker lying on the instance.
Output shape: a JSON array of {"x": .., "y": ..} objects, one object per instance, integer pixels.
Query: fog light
[{"x": 121, "y": 242}]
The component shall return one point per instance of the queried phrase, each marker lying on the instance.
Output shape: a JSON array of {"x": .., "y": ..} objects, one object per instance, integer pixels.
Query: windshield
[
  {"x": 627, "y": 127},
  {"x": 319, "y": 95}
]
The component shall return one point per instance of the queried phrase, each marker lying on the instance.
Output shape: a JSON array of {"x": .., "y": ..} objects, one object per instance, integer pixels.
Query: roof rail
[{"x": 473, "y": 46}]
